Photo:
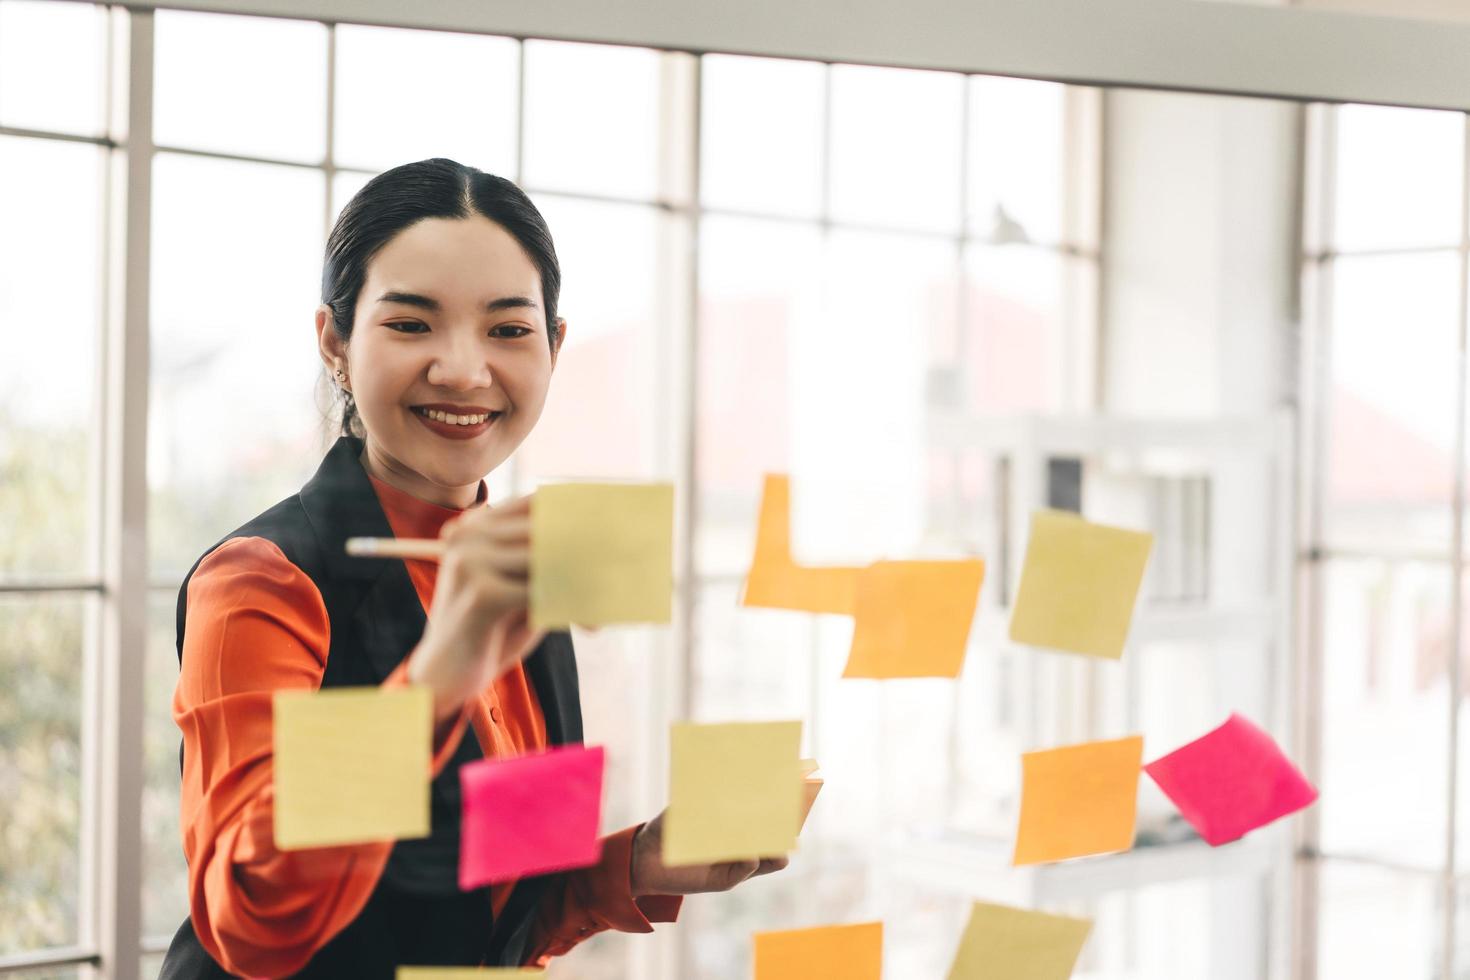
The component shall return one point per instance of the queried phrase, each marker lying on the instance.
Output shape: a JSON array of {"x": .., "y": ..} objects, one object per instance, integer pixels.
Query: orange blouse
[{"x": 256, "y": 624}]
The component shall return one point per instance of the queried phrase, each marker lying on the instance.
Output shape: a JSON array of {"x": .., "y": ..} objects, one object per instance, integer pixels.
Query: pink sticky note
[
  {"x": 1231, "y": 781},
  {"x": 530, "y": 815}
]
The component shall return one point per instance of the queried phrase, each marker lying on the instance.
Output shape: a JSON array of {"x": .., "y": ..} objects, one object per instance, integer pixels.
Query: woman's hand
[
  {"x": 479, "y": 625},
  {"x": 650, "y": 876}
]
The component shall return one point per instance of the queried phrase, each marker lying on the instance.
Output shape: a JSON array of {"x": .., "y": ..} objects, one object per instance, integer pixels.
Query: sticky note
[
  {"x": 775, "y": 580},
  {"x": 602, "y": 553},
  {"x": 1004, "y": 943},
  {"x": 466, "y": 972},
  {"x": 811, "y": 785},
  {"x": 351, "y": 765},
  {"x": 532, "y": 814},
  {"x": 1079, "y": 584},
  {"x": 1078, "y": 800},
  {"x": 913, "y": 618},
  {"x": 852, "y": 952},
  {"x": 1231, "y": 781},
  {"x": 735, "y": 791}
]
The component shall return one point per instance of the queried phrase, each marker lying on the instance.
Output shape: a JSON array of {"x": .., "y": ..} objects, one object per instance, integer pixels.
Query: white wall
[
  {"x": 1200, "y": 270},
  {"x": 1200, "y": 253}
]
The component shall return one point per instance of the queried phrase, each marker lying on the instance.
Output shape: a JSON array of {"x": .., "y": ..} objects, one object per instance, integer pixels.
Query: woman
[{"x": 438, "y": 324}]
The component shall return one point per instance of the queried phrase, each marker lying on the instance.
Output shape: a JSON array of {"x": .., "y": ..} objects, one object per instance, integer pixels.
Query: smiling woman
[
  {"x": 440, "y": 289},
  {"x": 438, "y": 325}
]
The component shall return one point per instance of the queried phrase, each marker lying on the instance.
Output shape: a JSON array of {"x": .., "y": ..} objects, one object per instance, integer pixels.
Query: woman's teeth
[{"x": 439, "y": 416}]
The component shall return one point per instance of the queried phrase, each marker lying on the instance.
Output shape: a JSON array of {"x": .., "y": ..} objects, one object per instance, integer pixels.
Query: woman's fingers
[
  {"x": 516, "y": 638},
  {"x": 515, "y": 505},
  {"x": 490, "y": 526},
  {"x": 512, "y": 559},
  {"x": 767, "y": 865}
]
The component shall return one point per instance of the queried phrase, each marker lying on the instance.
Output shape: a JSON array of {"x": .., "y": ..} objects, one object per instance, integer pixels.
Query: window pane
[
  {"x": 1398, "y": 177},
  {"x": 761, "y": 130},
  {"x": 605, "y": 413},
  {"x": 345, "y": 184},
  {"x": 1017, "y": 146},
  {"x": 165, "y": 882},
  {"x": 234, "y": 424},
  {"x": 1377, "y": 923},
  {"x": 41, "y": 670},
  {"x": 592, "y": 118},
  {"x": 211, "y": 92},
  {"x": 1390, "y": 445},
  {"x": 896, "y": 147},
  {"x": 1028, "y": 320},
  {"x": 1385, "y": 727},
  {"x": 603, "y": 957},
  {"x": 48, "y": 378},
  {"x": 817, "y": 889},
  {"x": 989, "y": 736},
  {"x": 752, "y": 277},
  {"x": 410, "y": 95},
  {"x": 749, "y": 664},
  {"x": 1166, "y": 931},
  {"x": 52, "y": 67},
  {"x": 860, "y": 361}
]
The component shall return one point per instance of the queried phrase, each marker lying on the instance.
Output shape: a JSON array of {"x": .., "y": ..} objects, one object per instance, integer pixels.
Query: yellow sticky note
[
  {"x": 775, "y": 580},
  {"x": 1078, "y": 799},
  {"x": 850, "y": 952},
  {"x": 602, "y": 553},
  {"x": 1078, "y": 585},
  {"x": 735, "y": 791},
  {"x": 466, "y": 972},
  {"x": 913, "y": 618},
  {"x": 1004, "y": 943},
  {"x": 351, "y": 765}
]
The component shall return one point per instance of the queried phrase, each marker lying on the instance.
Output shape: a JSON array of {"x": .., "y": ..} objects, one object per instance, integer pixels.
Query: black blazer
[{"x": 417, "y": 915}]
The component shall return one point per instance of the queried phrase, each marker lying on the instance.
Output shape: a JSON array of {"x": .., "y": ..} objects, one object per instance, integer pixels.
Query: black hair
[{"x": 399, "y": 198}]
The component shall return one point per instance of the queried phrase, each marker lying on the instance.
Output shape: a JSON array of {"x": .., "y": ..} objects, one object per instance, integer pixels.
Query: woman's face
[{"x": 449, "y": 319}]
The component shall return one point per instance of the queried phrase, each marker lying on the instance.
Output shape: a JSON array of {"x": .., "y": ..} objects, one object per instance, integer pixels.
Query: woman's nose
[{"x": 461, "y": 365}]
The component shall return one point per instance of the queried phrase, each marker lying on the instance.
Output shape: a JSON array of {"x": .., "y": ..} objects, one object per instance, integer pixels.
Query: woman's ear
[
  {"x": 561, "y": 336},
  {"x": 331, "y": 347}
]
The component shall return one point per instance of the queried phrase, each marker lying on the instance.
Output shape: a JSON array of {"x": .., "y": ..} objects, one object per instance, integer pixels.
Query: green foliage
[
  {"x": 46, "y": 491},
  {"x": 40, "y": 770},
  {"x": 42, "y": 497}
]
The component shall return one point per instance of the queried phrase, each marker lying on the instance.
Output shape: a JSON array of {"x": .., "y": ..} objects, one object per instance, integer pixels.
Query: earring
[{"x": 339, "y": 375}]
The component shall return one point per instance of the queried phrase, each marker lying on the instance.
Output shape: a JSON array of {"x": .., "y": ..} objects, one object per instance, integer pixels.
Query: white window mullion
[
  {"x": 117, "y": 740},
  {"x": 1457, "y": 604}
]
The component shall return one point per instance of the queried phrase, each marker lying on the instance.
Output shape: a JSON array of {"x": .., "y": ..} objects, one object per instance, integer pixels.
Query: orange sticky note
[
  {"x": 775, "y": 580},
  {"x": 850, "y": 952},
  {"x": 1078, "y": 800},
  {"x": 913, "y": 618}
]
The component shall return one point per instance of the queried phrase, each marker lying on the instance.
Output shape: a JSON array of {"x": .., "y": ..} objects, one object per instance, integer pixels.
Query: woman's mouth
[{"x": 453, "y": 426}]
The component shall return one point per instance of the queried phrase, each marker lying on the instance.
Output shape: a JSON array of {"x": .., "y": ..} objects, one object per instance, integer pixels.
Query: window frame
[
  {"x": 109, "y": 927},
  {"x": 1316, "y": 551}
]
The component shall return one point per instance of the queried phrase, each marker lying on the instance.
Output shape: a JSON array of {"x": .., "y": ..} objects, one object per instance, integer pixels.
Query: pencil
[{"x": 427, "y": 549}]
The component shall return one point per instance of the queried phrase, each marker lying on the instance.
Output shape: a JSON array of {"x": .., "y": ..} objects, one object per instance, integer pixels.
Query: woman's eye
[{"x": 506, "y": 331}]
